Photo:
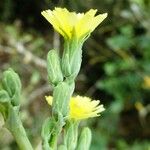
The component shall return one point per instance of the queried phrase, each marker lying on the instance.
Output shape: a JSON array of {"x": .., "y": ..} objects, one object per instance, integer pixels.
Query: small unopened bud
[
  {"x": 75, "y": 62},
  {"x": 61, "y": 97},
  {"x": 53, "y": 67},
  {"x": 12, "y": 84},
  {"x": 66, "y": 67},
  {"x": 72, "y": 58},
  {"x": 85, "y": 139},
  {"x": 71, "y": 135}
]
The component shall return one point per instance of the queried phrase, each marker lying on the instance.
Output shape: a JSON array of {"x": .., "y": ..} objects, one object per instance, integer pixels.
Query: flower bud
[
  {"x": 61, "y": 97},
  {"x": 12, "y": 84},
  {"x": 53, "y": 67},
  {"x": 85, "y": 139},
  {"x": 71, "y": 135},
  {"x": 66, "y": 67},
  {"x": 72, "y": 58},
  {"x": 75, "y": 62}
]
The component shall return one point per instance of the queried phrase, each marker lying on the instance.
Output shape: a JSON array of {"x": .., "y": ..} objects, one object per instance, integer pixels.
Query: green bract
[
  {"x": 12, "y": 84},
  {"x": 85, "y": 139},
  {"x": 53, "y": 67},
  {"x": 72, "y": 58},
  {"x": 61, "y": 95}
]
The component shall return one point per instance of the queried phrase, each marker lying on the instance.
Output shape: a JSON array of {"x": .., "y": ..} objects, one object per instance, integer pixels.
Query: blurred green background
[{"x": 115, "y": 68}]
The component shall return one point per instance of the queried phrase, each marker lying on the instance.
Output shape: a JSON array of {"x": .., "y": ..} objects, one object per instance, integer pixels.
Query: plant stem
[{"x": 14, "y": 124}]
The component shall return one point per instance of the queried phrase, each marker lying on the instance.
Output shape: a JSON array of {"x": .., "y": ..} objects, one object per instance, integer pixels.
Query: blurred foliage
[{"x": 115, "y": 69}]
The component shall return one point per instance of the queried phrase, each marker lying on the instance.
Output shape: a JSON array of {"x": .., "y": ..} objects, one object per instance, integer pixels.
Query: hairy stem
[{"x": 14, "y": 124}]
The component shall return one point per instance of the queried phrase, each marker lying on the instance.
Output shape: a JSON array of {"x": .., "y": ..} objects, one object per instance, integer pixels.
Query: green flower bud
[
  {"x": 75, "y": 62},
  {"x": 85, "y": 139},
  {"x": 4, "y": 97},
  {"x": 71, "y": 135},
  {"x": 66, "y": 67},
  {"x": 53, "y": 67},
  {"x": 12, "y": 84},
  {"x": 61, "y": 97},
  {"x": 72, "y": 58}
]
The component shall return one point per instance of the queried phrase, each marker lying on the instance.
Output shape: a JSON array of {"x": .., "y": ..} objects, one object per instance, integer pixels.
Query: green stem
[
  {"x": 60, "y": 109},
  {"x": 14, "y": 124}
]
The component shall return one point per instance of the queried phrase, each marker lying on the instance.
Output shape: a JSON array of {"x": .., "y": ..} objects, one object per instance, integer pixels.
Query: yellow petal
[
  {"x": 82, "y": 107},
  {"x": 70, "y": 24},
  {"x": 49, "y": 100},
  {"x": 97, "y": 20}
]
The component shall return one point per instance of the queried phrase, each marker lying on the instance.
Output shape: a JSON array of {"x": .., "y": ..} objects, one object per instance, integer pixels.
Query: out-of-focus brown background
[{"x": 115, "y": 68}]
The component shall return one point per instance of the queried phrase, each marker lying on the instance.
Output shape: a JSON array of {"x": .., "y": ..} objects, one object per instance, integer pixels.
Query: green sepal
[
  {"x": 12, "y": 84},
  {"x": 85, "y": 139},
  {"x": 61, "y": 97},
  {"x": 4, "y": 97},
  {"x": 53, "y": 67}
]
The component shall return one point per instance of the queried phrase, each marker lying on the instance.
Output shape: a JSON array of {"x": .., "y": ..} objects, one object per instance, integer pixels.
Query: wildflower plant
[{"x": 67, "y": 110}]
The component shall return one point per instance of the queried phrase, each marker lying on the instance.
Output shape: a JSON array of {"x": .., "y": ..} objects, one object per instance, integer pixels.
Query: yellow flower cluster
[
  {"x": 71, "y": 24},
  {"x": 82, "y": 107}
]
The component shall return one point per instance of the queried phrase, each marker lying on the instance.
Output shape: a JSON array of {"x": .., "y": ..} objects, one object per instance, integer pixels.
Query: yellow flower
[
  {"x": 139, "y": 106},
  {"x": 82, "y": 107},
  {"x": 146, "y": 83},
  {"x": 70, "y": 24}
]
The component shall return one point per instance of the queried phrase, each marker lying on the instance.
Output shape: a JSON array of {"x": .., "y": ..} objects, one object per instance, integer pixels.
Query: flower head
[
  {"x": 70, "y": 24},
  {"x": 82, "y": 107}
]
